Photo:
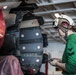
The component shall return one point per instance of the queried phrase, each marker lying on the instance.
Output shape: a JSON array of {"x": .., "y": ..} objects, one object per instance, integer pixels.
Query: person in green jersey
[{"x": 67, "y": 29}]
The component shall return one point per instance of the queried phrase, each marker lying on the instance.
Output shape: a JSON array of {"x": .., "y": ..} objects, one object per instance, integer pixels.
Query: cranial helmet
[{"x": 64, "y": 22}]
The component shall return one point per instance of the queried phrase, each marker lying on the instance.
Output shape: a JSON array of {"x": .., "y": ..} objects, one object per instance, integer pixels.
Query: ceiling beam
[
  {"x": 51, "y": 15},
  {"x": 9, "y": 3},
  {"x": 56, "y": 11},
  {"x": 2, "y": 0},
  {"x": 74, "y": 4},
  {"x": 48, "y": 32},
  {"x": 49, "y": 0},
  {"x": 46, "y": 4},
  {"x": 39, "y": 3}
]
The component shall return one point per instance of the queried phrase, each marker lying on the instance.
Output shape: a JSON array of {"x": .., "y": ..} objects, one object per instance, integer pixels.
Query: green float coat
[{"x": 69, "y": 55}]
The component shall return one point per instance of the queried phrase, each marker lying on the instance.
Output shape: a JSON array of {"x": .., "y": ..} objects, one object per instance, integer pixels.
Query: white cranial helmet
[{"x": 64, "y": 22}]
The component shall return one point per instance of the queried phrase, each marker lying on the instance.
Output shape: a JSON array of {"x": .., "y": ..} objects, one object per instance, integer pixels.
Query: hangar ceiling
[{"x": 47, "y": 9}]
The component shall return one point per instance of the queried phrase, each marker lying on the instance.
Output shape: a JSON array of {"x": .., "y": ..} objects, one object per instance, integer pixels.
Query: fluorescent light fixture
[
  {"x": 5, "y": 7},
  {"x": 57, "y": 15}
]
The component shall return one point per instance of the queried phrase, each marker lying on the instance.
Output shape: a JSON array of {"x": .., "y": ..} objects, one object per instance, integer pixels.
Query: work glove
[
  {"x": 54, "y": 61},
  {"x": 46, "y": 56}
]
